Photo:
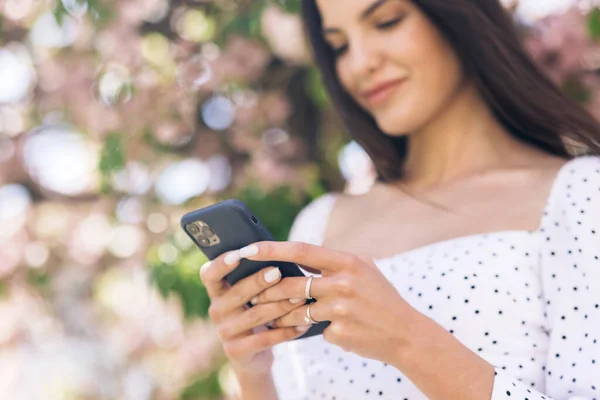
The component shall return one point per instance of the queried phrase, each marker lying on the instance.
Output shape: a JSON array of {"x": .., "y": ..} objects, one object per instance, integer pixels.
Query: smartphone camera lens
[
  {"x": 193, "y": 229},
  {"x": 202, "y": 233}
]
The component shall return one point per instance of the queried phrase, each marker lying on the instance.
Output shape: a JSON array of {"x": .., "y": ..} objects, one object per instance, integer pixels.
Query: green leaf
[
  {"x": 165, "y": 278},
  {"x": 102, "y": 12},
  {"x": 59, "y": 12},
  {"x": 182, "y": 280},
  {"x": 112, "y": 159},
  {"x": 316, "y": 189},
  {"x": 205, "y": 388},
  {"x": 246, "y": 22},
  {"x": 3, "y": 289},
  {"x": 291, "y": 6},
  {"x": 40, "y": 279},
  {"x": 241, "y": 25},
  {"x": 593, "y": 23},
  {"x": 316, "y": 89}
]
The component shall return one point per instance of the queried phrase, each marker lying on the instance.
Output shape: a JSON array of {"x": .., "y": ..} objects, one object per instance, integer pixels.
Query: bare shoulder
[
  {"x": 552, "y": 162},
  {"x": 548, "y": 167}
]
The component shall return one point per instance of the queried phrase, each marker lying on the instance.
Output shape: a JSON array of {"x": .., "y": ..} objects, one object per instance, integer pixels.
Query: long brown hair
[{"x": 523, "y": 99}]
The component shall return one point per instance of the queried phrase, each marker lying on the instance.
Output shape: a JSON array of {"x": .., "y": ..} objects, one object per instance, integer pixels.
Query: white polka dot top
[{"x": 528, "y": 302}]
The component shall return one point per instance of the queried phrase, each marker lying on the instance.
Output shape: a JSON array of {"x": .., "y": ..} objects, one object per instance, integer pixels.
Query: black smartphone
[{"x": 230, "y": 225}]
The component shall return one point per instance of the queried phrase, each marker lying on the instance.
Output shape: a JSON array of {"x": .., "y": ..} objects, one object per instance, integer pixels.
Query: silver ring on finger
[
  {"x": 307, "y": 287},
  {"x": 308, "y": 319}
]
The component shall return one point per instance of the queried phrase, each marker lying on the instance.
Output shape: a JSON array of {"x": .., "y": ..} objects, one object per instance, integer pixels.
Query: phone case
[{"x": 236, "y": 227}]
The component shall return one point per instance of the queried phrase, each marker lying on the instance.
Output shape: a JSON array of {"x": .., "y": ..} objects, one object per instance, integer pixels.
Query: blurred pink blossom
[{"x": 559, "y": 42}]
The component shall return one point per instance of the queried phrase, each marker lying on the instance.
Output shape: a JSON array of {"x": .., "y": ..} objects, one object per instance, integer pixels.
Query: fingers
[
  {"x": 248, "y": 345},
  {"x": 293, "y": 288},
  {"x": 326, "y": 260},
  {"x": 228, "y": 309},
  {"x": 245, "y": 289},
  {"x": 289, "y": 288},
  {"x": 319, "y": 311},
  {"x": 236, "y": 325},
  {"x": 213, "y": 272}
]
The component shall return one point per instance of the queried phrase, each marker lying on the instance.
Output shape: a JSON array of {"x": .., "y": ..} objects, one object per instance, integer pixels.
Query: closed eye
[
  {"x": 389, "y": 24},
  {"x": 338, "y": 51}
]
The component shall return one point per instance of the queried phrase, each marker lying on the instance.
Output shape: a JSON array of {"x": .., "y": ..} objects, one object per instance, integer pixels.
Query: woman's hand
[
  {"x": 248, "y": 352},
  {"x": 368, "y": 316}
]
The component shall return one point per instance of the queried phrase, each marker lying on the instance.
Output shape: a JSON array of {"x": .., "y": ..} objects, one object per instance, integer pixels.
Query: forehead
[
  {"x": 334, "y": 12},
  {"x": 339, "y": 10}
]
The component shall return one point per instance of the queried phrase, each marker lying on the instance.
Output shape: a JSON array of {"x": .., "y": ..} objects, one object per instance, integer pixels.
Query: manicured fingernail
[
  {"x": 272, "y": 275},
  {"x": 295, "y": 301},
  {"x": 248, "y": 251},
  {"x": 254, "y": 300},
  {"x": 302, "y": 328},
  {"x": 232, "y": 257},
  {"x": 205, "y": 266}
]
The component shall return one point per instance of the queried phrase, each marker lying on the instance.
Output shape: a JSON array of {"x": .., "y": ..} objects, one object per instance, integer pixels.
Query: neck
[{"x": 463, "y": 139}]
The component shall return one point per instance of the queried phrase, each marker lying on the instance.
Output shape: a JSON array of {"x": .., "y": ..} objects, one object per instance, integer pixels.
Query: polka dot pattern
[{"x": 528, "y": 302}]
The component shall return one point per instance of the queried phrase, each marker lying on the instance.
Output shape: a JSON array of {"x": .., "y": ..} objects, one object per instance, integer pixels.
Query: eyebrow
[{"x": 364, "y": 15}]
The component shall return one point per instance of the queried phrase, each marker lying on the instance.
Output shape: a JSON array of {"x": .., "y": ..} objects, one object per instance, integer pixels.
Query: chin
[
  {"x": 399, "y": 117},
  {"x": 396, "y": 125}
]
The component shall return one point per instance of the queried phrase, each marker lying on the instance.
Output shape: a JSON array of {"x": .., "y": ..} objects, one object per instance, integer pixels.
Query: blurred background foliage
[{"x": 119, "y": 116}]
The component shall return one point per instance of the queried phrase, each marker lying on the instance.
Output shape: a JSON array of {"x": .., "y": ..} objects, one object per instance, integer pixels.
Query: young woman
[{"x": 471, "y": 269}]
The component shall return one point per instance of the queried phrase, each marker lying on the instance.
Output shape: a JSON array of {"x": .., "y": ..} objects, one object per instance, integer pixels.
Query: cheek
[
  {"x": 437, "y": 73},
  {"x": 434, "y": 76},
  {"x": 440, "y": 71},
  {"x": 344, "y": 76}
]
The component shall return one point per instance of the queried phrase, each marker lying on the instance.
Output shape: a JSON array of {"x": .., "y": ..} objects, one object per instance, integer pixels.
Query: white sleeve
[
  {"x": 308, "y": 227},
  {"x": 311, "y": 222},
  {"x": 570, "y": 274}
]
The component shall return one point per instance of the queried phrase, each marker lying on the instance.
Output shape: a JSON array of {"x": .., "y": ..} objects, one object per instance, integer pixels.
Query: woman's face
[{"x": 378, "y": 41}]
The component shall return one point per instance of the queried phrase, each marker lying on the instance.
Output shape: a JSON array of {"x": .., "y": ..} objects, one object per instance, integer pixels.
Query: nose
[{"x": 365, "y": 57}]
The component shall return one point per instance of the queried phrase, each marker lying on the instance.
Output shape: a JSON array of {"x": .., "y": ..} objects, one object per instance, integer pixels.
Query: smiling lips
[{"x": 380, "y": 93}]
